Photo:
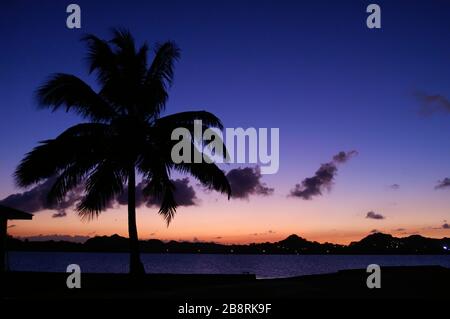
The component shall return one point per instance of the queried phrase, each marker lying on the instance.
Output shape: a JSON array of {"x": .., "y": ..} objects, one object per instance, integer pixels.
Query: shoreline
[
  {"x": 428, "y": 282},
  {"x": 227, "y": 254}
]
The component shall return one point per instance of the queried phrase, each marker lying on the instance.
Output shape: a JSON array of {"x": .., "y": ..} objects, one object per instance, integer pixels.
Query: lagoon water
[{"x": 264, "y": 266}]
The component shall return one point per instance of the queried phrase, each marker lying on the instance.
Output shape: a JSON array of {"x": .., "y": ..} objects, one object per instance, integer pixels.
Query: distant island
[{"x": 377, "y": 243}]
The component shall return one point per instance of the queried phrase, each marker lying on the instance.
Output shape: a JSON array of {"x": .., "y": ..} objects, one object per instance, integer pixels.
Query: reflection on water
[{"x": 264, "y": 266}]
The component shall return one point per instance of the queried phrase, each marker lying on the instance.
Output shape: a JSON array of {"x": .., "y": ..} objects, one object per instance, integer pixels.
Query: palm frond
[
  {"x": 187, "y": 119},
  {"x": 102, "y": 186},
  {"x": 124, "y": 41},
  {"x": 161, "y": 189},
  {"x": 70, "y": 178},
  {"x": 160, "y": 76},
  {"x": 101, "y": 58},
  {"x": 141, "y": 58},
  {"x": 78, "y": 144},
  {"x": 39, "y": 164},
  {"x": 74, "y": 94},
  {"x": 165, "y": 125},
  {"x": 92, "y": 130},
  {"x": 161, "y": 70},
  {"x": 208, "y": 174}
]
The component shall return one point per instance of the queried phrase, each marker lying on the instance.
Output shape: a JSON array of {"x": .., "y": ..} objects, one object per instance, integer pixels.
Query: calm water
[{"x": 264, "y": 266}]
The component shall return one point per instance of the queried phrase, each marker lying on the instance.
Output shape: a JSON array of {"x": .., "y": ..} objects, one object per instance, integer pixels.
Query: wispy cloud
[
  {"x": 432, "y": 103},
  {"x": 264, "y": 233}
]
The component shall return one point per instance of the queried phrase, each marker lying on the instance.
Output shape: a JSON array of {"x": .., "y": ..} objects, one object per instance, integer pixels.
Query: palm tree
[{"x": 124, "y": 134}]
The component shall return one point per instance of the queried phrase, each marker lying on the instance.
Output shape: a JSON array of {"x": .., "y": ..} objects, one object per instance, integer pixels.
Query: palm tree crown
[{"x": 125, "y": 133}]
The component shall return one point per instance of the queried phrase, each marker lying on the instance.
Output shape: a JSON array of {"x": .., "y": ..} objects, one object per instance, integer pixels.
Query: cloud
[
  {"x": 373, "y": 215},
  {"x": 247, "y": 181},
  {"x": 35, "y": 199},
  {"x": 184, "y": 195},
  {"x": 264, "y": 233},
  {"x": 446, "y": 226},
  {"x": 59, "y": 214},
  {"x": 394, "y": 186},
  {"x": 322, "y": 179},
  {"x": 443, "y": 183},
  {"x": 430, "y": 104},
  {"x": 57, "y": 237},
  {"x": 313, "y": 186},
  {"x": 374, "y": 231},
  {"x": 400, "y": 229},
  {"x": 343, "y": 157}
]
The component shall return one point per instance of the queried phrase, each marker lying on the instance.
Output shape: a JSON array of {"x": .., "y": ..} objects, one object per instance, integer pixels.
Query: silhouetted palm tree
[{"x": 125, "y": 134}]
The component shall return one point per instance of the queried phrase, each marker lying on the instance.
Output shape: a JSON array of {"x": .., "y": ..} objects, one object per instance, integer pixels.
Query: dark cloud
[
  {"x": 264, "y": 233},
  {"x": 247, "y": 181},
  {"x": 430, "y": 104},
  {"x": 374, "y": 231},
  {"x": 59, "y": 214},
  {"x": 373, "y": 215},
  {"x": 394, "y": 186},
  {"x": 400, "y": 229},
  {"x": 35, "y": 199},
  {"x": 184, "y": 195},
  {"x": 313, "y": 186},
  {"x": 343, "y": 157},
  {"x": 446, "y": 226},
  {"x": 11, "y": 226},
  {"x": 443, "y": 183},
  {"x": 322, "y": 179},
  {"x": 57, "y": 237}
]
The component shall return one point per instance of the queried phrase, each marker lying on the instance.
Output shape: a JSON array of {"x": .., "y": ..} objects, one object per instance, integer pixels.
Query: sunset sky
[{"x": 313, "y": 70}]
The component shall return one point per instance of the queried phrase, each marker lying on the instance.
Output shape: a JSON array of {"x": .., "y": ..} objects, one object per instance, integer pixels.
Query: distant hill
[
  {"x": 377, "y": 243},
  {"x": 380, "y": 243}
]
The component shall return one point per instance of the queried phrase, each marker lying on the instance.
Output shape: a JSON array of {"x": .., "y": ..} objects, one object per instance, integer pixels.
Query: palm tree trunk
[{"x": 136, "y": 266}]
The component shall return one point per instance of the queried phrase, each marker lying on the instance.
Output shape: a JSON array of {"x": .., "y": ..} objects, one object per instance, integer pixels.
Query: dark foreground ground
[{"x": 396, "y": 282}]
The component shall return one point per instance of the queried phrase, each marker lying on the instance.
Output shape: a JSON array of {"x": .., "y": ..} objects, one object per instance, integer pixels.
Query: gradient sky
[{"x": 312, "y": 69}]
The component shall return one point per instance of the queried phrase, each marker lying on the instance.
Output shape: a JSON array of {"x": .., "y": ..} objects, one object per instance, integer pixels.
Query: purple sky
[{"x": 314, "y": 70}]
